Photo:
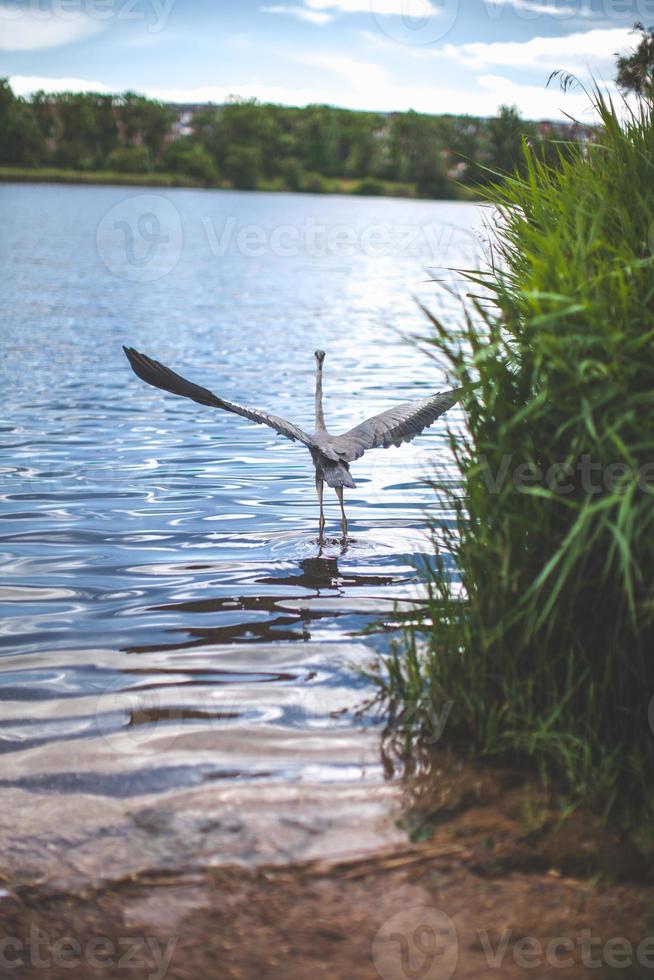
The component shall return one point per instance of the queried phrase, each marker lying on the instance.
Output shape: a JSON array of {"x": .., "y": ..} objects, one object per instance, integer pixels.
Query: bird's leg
[
  {"x": 319, "y": 488},
  {"x": 339, "y": 493}
]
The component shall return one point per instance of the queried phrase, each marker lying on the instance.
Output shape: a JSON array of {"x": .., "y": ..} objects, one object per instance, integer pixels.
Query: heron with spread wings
[{"x": 331, "y": 454}]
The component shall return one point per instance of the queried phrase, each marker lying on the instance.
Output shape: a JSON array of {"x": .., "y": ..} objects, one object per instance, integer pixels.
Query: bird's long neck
[{"x": 320, "y": 418}]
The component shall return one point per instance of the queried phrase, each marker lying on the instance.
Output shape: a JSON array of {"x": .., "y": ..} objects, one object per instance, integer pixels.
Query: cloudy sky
[{"x": 429, "y": 55}]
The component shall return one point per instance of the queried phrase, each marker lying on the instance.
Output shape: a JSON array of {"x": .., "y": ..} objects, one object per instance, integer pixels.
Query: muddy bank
[
  {"x": 459, "y": 872},
  {"x": 407, "y": 914}
]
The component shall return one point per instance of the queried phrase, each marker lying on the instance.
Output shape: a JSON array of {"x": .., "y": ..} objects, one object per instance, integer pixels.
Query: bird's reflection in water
[
  {"x": 268, "y": 617},
  {"x": 322, "y": 573},
  {"x": 315, "y": 574}
]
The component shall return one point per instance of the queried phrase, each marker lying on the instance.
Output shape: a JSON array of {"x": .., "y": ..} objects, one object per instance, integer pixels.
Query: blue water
[{"x": 165, "y": 606}]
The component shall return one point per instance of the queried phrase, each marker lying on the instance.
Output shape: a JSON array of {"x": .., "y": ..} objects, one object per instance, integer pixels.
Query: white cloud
[
  {"x": 322, "y": 11},
  {"x": 20, "y": 30},
  {"x": 28, "y": 84},
  {"x": 397, "y": 8},
  {"x": 535, "y": 7},
  {"x": 357, "y": 75},
  {"x": 533, "y": 101},
  {"x": 573, "y": 52},
  {"x": 302, "y": 13},
  {"x": 383, "y": 95},
  {"x": 360, "y": 90}
]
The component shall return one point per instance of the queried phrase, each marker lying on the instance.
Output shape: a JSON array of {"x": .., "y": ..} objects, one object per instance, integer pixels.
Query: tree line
[{"x": 246, "y": 144}]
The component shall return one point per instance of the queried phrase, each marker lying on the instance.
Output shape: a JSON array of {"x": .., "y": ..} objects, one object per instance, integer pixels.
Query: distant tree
[
  {"x": 319, "y": 137},
  {"x": 292, "y": 173},
  {"x": 20, "y": 139},
  {"x": 314, "y": 184},
  {"x": 107, "y": 127},
  {"x": 398, "y": 141},
  {"x": 129, "y": 160},
  {"x": 243, "y": 166},
  {"x": 46, "y": 117},
  {"x": 506, "y": 132},
  {"x": 206, "y": 127},
  {"x": 420, "y": 150},
  {"x": 78, "y": 143},
  {"x": 636, "y": 70},
  {"x": 465, "y": 139},
  {"x": 243, "y": 137},
  {"x": 359, "y": 143},
  {"x": 188, "y": 156},
  {"x": 370, "y": 187},
  {"x": 144, "y": 121},
  {"x": 247, "y": 142}
]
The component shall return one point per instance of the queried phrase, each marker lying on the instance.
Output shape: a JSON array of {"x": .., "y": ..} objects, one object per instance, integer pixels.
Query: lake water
[{"x": 167, "y": 617}]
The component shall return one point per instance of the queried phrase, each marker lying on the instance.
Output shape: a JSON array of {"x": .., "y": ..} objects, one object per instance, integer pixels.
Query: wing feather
[
  {"x": 396, "y": 425},
  {"x": 160, "y": 376}
]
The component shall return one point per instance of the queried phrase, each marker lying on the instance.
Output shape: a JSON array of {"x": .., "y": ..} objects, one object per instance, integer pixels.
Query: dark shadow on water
[
  {"x": 272, "y": 630},
  {"x": 317, "y": 575}
]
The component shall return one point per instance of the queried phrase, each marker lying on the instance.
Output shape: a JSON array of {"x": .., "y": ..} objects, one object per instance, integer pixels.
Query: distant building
[{"x": 184, "y": 112}]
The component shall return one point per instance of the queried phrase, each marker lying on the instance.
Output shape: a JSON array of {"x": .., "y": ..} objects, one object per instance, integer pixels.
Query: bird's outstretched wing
[
  {"x": 160, "y": 376},
  {"x": 399, "y": 424}
]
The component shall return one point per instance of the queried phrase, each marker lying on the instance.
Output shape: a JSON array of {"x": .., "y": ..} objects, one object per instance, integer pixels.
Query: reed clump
[{"x": 543, "y": 642}]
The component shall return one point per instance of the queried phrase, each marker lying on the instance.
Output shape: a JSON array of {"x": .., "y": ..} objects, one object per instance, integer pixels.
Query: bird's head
[{"x": 320, "y": 357}]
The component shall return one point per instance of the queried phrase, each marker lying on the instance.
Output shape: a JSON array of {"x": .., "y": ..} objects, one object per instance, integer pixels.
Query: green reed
[{"x": 548, "y": 652}]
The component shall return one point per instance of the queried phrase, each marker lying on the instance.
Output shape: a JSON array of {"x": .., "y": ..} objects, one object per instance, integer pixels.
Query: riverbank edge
[
  {"x": 328, "y": 185},
  {"x": 488, "y": 860}
]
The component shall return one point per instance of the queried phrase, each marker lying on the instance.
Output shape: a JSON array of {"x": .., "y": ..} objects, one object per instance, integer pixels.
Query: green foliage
[
  {"x": 129, "y": 160},
  {"x": 57, "y": 175},
  {"x": 314, "y": 184},
  {"x": 370, "y": 187},
  {"x": 636, "y": 70},
  {"x": 548, "y": 651},
  {"x": 187, "y": 156},
  {"x": 292, "y": 174},
  {"x": 144, "y": 120},
  {"x": 507, "y": 132},
  {"x": 252, "y": 145},
  {"x": 20, "y": 142},
  {"x": 243, "y": 166},
  {"x": 81, "y": 130}
]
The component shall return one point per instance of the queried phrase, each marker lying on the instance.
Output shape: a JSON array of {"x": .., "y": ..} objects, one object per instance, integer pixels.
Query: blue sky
[{"x": 429, "y": 55}]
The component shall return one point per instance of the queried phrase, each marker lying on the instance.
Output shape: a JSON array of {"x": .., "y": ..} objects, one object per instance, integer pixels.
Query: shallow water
[{"x": 168, "y": 619}]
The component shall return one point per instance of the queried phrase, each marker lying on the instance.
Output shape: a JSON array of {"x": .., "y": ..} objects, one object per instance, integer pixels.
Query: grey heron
[{"x": 331, "y": 454}]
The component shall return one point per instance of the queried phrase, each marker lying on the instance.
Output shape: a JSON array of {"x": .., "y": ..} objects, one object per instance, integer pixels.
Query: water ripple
[{"x": 168, "y": 617}]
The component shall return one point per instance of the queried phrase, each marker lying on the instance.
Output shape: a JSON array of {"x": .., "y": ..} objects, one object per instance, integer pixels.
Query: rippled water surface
[{"x": 167, "y": 617}]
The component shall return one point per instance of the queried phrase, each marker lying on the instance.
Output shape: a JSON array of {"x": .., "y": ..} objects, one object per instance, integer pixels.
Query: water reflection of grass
[{"x": 549, "y": 657}]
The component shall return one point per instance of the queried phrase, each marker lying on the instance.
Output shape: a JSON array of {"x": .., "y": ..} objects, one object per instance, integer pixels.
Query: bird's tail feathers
[{"x": 338, "y": 475}]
